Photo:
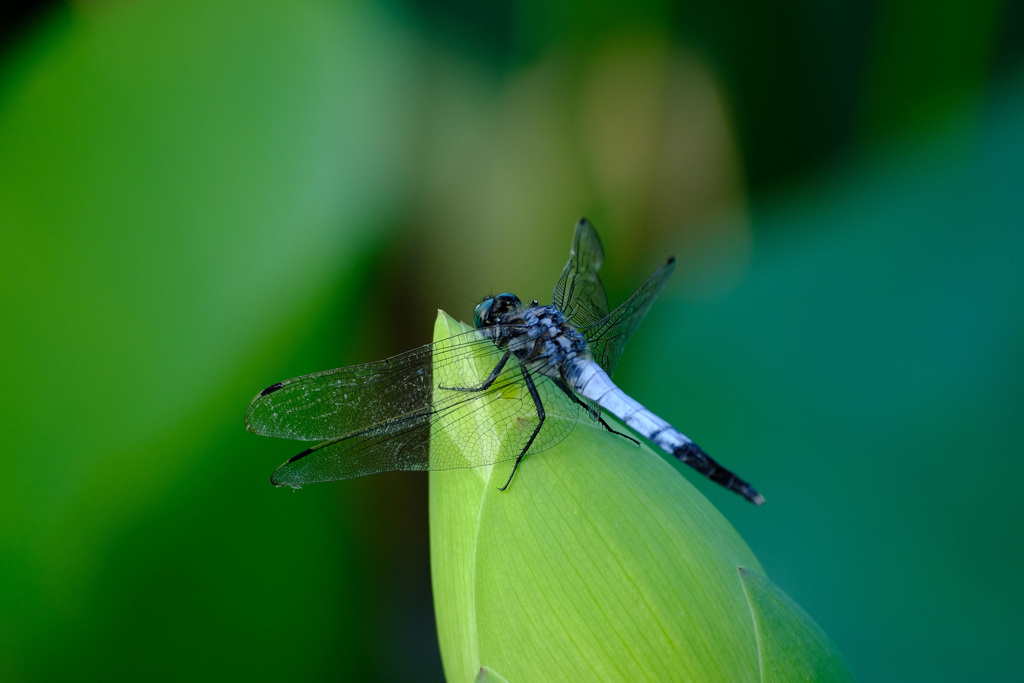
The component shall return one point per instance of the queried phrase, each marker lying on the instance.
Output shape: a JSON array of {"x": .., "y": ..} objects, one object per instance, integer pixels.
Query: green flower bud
[{"x": 601, "y": 562}]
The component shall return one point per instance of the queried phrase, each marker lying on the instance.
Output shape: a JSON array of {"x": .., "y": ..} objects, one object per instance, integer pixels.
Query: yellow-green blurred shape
[
  {"x": 635, "y": 132},
  {"x": 601, "y": 562}
]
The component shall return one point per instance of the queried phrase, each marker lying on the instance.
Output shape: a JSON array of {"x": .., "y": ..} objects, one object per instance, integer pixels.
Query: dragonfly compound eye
[
  {"x": 504, "y": 304},
  {"x": 482, "y": 314},
  {"x": 492, "y": 308}
]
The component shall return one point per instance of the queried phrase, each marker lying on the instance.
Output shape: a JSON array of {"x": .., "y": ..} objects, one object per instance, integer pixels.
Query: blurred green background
[{"x": 198, "y": 199}]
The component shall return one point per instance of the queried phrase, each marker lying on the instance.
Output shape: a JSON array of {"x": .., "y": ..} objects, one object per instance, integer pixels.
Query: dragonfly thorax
[
  {"x": 539, "y": 336},
  {"x": 546, "y": 342}
]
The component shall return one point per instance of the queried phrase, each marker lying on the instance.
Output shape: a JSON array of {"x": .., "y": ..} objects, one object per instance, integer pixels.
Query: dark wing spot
[
  {"x": 303, "y": 454},
  {"x": 277, "y": 482},
  {"x": 272, "y": 388}
]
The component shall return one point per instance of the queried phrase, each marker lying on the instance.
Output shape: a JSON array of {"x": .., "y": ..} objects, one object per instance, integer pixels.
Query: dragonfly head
[{"x": 492, "y": 308}]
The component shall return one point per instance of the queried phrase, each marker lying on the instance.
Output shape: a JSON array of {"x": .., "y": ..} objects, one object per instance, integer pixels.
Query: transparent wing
[
  {"x": 607, "y": 338},
  {"x": 407, "y": 413},
  {"x": 579, "y": 294},
  {"x": 334, "y": 403}
]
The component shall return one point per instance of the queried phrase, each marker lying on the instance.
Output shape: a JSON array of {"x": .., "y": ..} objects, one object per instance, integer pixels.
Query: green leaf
[
  {"x": 792, "y": 646},
  {"x": 600, "y": 562},
  {"x": 487, "y": 675}
]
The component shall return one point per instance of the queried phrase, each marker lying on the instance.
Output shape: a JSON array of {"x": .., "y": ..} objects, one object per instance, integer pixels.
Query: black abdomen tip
[{"x": 692, "y": 455}]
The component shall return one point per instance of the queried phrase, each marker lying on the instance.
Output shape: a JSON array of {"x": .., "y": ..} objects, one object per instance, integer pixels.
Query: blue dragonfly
[{"x": 516, "y": 384}]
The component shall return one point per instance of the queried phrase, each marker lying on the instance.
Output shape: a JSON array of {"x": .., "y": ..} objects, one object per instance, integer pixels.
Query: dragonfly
[{"x": 516, "y": 384}]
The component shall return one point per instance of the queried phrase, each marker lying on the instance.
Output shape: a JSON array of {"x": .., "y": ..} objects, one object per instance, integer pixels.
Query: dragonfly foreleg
[
  {"x": 572, "y": 394},
  {"x": 540, "y": 423},
  {"x": 487, "y": 382}
]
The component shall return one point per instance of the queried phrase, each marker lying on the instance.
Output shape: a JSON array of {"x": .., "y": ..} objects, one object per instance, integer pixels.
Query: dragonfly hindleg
[{"x": 572, "y": 394}]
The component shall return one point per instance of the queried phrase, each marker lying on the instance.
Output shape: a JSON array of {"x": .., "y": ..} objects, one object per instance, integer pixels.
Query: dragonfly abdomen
[
  {"x": 588, "y": 379},
  {"x": 594, "y": 383}
]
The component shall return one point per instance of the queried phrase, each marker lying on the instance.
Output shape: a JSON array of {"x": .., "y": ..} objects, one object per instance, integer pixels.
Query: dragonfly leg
[
  {"x": 540, "y": 423},
  {"x": 572, "y": 394},
  {"x": 618, "y": 433},
  {"x": 487, "y": 382}
]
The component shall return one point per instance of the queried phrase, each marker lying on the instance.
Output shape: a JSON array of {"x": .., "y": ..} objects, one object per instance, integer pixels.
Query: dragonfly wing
[
  {"x": 441, "y": 425},
  {"x": 487, "y": 427},
  {"x": 335, "y": 403},
  {"x": 579, "y": 294},
  {"x": 403, "y": 447},
  {"x": 608, "y": 338}
]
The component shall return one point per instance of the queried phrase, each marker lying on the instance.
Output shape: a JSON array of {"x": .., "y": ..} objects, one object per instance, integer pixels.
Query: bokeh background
[{"x": 198, "y": 199}]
